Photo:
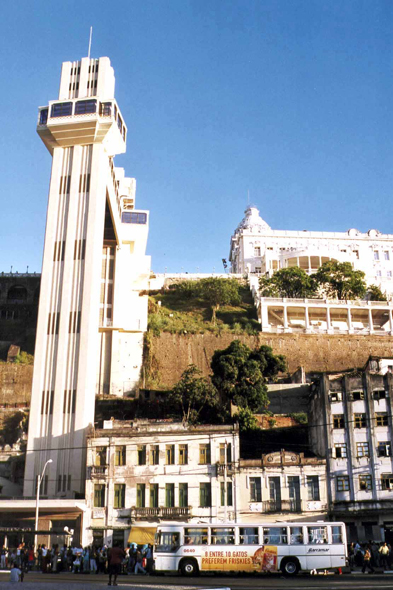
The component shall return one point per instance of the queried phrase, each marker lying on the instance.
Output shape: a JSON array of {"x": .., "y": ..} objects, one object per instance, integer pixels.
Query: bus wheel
[
  {"x": 290, "y": 566},
  {"x": 189, "y": 567}
]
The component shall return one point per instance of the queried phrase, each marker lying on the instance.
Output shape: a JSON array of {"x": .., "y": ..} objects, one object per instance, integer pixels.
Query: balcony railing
[
  {"x": 161, "y": 512},
  {"x": 99, "y": 470},
  {"x": 282, "y": 506},
  {"x": 231, "y": 467}
]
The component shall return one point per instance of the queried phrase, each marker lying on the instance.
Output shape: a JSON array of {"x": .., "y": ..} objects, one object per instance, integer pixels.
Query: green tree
[
  {"x": 216, "y": 292},
  {"x": 291, "y": 282},
  {"x": 340, "y": 281},
  {"x": 240, "y": 374},
  {"x": 193, "y": 394},
  {"x": 246, "y": 419},
  {"x": 374, "y": 293}
]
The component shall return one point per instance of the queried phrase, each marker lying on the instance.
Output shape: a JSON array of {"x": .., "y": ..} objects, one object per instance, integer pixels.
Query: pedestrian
[
  {"x": 93, "y": 560},
  {"x": 3, "y": 557},
  {"x": 44, "y": 561},
  {"x": 132, "y": 558},
  {"x": 138, "y": 564},
  {"x": 149, "y": 559},
  {"x": 367, "y": 561},
  {"x": 16, "y": 573},
  {"x": 384, "y": 555},
  {"x": 115, "y": 558}
]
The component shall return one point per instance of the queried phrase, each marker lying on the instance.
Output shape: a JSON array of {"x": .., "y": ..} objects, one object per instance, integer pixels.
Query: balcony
[
  {"x": 147, "y": 513},
  {"x": 99, "y": 470},
  {"x": 231, "y": 468},
  {"x": 281, "y": 506}
]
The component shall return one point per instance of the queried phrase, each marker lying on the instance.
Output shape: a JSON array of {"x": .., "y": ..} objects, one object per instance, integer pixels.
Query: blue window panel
[
  {"x": 129, "y": 217},
  {"x": 61, "y": 109},
  {"x": 85, "y": 106},
  {"x": 43, "y": 116},
  {"x": 106, "y": 109}
]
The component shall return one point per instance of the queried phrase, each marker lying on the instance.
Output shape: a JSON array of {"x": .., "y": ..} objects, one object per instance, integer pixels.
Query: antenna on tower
[{"x": 91, "y": 34}]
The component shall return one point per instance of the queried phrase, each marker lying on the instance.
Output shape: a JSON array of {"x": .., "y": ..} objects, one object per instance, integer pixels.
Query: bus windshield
[{"x": 167, "y": 542}]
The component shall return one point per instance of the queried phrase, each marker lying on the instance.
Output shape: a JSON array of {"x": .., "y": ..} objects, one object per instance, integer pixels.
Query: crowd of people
[
  {"x": 370, "y": 555},
  {"x": 115, "y": 560}
]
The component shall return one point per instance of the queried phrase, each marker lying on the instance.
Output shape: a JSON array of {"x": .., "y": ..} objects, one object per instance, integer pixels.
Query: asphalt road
[{"x": 38, "y": 581}]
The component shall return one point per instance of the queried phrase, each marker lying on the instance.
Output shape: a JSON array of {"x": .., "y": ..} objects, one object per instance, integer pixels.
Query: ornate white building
[{"x": 257, "y": 248}]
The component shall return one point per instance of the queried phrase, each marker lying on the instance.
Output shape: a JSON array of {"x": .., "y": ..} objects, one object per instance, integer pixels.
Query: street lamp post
[{"x": 37, "y": 502}]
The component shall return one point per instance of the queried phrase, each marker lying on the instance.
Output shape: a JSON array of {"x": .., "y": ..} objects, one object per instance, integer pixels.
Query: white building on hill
[{"x": 256, "y": 248}]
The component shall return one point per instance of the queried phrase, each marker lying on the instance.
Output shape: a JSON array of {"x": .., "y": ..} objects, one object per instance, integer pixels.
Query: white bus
[{"x": 288, "y": 547}]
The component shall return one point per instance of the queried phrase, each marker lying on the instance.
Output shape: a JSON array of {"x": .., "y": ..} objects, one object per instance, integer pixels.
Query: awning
[{"x": 142, "y": 535}]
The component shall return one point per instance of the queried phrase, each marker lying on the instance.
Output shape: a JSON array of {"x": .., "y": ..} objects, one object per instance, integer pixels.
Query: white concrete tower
[{"x": 91, "y": 318}]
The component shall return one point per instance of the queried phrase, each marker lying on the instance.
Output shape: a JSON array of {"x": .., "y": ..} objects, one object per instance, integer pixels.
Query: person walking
[
  {"x": 384, "y": 555},
  {"x": 115, "y": 559},
  {"x": 138, "y": 565},
  {"x": 367, "y": 561}
]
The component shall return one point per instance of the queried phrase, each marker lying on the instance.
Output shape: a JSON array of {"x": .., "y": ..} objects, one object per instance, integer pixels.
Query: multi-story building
[
  {"x": 283, "y": 485},
  {"x": 351, "y": 424},
  {"x": 256, "y": 248},
  {"x": 142, "y": 472}
]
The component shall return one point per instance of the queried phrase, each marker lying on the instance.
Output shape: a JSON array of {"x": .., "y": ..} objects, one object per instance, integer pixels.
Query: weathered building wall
[
  {"x": 170, "y": 354},
  {"x": 15, "y": 388}
]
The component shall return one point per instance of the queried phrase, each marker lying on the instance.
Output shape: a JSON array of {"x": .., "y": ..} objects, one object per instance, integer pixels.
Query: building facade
[
  {"x": 256, "y": 248},
  {"x": 91, "y": 316},
  {"x": 142, "y": 472},
  {"x": 351, "y": 424}
]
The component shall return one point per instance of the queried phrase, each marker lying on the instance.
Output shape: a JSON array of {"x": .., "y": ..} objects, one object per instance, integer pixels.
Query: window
[
  {"x": 255, "y": 489},
  {"x": 61, "y": 109},
  {"x": 356, "y": 253},
  {"x": 336, "y": 396},
  {"x": 168, "y": 542},
  {"x": 379, "y": 273},
  {"x": 183, "y": 495},
  {"x": 338, "y": 421},
  {"x": 100, "y": 456},
  {"x": 228, "y": 453},
  {"x": 43, "y": 116},
  {"x": 222, "y": 536},
  {"x": 248, "y": 536},
  {"x": 384, "y": 449},
  {"x": 337, "y": 535},
  {"x": 183, "y": 454},
  {"x": 362, "y": 449},
  {"x": 342, "y": 483},
  {"x": 317, "y": 534},
  {"x": 85, "y": 106},
  {"x": 140, "y": 495},
  {"x": 359, "y": 421},
  {"x": 376, "y": 255},
  {"x": 205, "y": 495},
  {"x": 170, "y": 454},
  {"x": 379, "y": 394},
  {"x": 381, "y": 419},
  {"x": 204, "y": 454},
  {"x": 228, "y": 494},
  {"x": 365, "y": 482},
  {"x": 275, "y": 535},
  {"x": 257, "y": 251},
  {"x": 154, "y": 454},
  {"x": 389, "y": 274},
  {"x": 387, "y": 481},
  {"x": 312, "y": 483},
  {"x": 120, "y": 456},
  {"x": 386, "y": 255},
  {"x": 99, "y": 495},
  {"x": 296, "y": 537},
  {"x": 196, "y": 536},
  {"x": 169, "y": 495},
  {"x": 120, "y": 495},
  {"x": 141, "y": 454},
  {"x": 106, "y": 109},
  {"x": 357, "y": 395},
  {"x": 132, "y": 217},
  {"x": 340, "y": 450},
  {"x": 153, "y": 495}
]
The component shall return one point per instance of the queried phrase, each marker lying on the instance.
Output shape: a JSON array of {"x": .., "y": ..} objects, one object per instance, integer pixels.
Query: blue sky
[{"x": 289, "y": 99}]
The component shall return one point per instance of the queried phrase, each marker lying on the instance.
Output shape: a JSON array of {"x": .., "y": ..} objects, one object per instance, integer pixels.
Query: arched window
[{"x": 17, "y": 294}]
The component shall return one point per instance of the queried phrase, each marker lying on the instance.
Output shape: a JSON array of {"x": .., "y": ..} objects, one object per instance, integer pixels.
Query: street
[{"x": 242, "y": 582}]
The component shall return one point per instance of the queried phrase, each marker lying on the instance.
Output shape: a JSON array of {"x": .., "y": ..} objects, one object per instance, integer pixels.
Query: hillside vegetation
[{"x": 184, "y": 309}]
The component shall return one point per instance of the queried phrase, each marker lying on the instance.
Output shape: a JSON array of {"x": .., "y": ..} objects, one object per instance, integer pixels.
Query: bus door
[
  {"x": 297, "y": 545},
  {"x": 166, "y": 551},
  {"x": 318, "y": 549}
]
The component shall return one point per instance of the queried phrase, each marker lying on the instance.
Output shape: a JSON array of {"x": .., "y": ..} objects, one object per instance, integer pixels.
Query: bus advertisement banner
[{"x": 247, "y": 559}]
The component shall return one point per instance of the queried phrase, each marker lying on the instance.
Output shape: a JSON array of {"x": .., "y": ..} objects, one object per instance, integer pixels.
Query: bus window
[
  {"x": 275, "y": 535},
  {"x": 317, "y": 534},
  {"x": 249, "y": 536},
  {"x": 296, "y": 535},
  {"x": 167, "y": 542},
  {"x": 223, "y": 536},
  {"x": 195, "y": 536},
  {"x": 337, "y": 535}
]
